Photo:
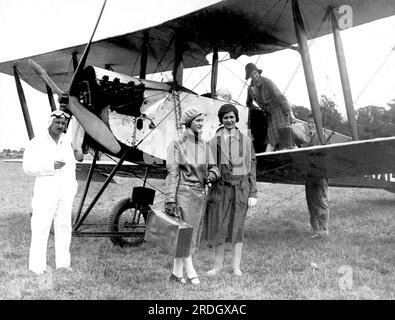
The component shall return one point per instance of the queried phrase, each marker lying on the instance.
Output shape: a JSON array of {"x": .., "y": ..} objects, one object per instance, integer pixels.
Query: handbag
[{"x": 169, "y": 233}]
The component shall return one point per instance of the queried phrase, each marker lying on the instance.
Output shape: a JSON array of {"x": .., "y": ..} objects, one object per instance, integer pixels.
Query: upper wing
[
  {"x": 357, "y": 158},
  {"x": 240, "y": 27}
]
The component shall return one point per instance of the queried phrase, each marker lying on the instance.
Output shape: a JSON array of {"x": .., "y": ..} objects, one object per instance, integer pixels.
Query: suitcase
[{"x": 170, "y": 233}]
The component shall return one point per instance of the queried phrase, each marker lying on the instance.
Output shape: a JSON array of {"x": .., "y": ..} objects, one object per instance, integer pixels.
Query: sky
[{"x": 29, "y": 27}]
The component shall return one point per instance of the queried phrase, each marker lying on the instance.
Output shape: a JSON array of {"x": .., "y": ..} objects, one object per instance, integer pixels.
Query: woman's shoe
[
  {"x": 237, "y": 272},
  {"x": 194, "y": 280},
  {"x": 213, "y": 272},
  {"x": 174, "y": 278}
]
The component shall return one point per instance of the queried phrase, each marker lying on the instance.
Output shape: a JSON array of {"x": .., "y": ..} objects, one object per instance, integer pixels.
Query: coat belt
[
  {"x": 192, "y": 184},
  {"x": 231, "y": 183}
]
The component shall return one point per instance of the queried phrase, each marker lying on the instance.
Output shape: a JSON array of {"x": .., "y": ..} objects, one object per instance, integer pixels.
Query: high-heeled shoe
[
  {"x": 190, "y": 280},
  {"x": 174, "y": 278}
]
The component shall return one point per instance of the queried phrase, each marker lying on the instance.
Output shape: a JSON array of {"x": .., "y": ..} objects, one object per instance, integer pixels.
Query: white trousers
[{"x": 46, "y": 210}]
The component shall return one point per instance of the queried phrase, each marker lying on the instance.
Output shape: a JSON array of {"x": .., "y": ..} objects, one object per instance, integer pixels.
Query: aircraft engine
[{"x": 100, "y": 88}]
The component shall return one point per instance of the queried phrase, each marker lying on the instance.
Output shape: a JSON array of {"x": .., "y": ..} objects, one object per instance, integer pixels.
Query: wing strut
[
  {"x": 104, "y": 186},
  {"x": 50, "y": 98},
  {"x": 86, "y": 188},
  {"x": 341, "y": 61},
  {"x": 22, "y": 100},
  {"x": 214, "y": 73},
  {"x": 75, "y": 60},
  {"x": 144, "y": 57},
  {"x": 308, "y": 69},
  {"x": 178, "y": 66}
]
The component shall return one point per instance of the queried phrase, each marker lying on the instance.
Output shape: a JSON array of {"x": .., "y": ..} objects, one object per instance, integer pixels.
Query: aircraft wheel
[{"x": 125, "y": 218}]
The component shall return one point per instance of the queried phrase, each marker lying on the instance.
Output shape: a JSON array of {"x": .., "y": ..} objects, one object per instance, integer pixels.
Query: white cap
[{"x": 189, "y": 114}]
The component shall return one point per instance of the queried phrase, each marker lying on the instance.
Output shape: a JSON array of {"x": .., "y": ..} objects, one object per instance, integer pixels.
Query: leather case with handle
[{"x": 170, "y": 233}]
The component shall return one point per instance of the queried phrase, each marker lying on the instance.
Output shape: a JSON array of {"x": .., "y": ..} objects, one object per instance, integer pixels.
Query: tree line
[
  {"x": 372, "y": 121},
  {"x": 11, "y": 154}
]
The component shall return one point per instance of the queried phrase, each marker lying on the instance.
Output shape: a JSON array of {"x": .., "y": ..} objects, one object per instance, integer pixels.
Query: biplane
[{"x": 124, "y": 115}]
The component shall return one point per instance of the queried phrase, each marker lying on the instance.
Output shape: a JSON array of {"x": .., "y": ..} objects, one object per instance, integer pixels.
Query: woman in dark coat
[
  {"x": 233, "y": 193},
  {"x": 270, "y": 100}
]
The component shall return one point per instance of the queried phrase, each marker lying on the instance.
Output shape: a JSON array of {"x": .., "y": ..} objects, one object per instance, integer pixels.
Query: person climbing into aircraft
[
  {"x": 50, "y": 158},
  {"x": 191, "y": 166},
  {"x": 234, "y": 192},
  {"x": 264, "y": 95}
]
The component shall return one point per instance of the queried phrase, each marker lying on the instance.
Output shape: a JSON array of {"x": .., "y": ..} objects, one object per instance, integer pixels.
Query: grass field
[{"x": 277, "y": 259}]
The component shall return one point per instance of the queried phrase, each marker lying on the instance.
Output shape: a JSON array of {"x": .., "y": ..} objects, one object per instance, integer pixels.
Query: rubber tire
[{"x": 113, "y": 224}]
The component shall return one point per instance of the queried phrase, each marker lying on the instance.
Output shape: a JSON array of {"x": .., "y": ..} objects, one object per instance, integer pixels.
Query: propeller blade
[
  {"x": 81, "y": 64},
  {"x": 45, "y": 77},
  {"x": 94, "y": 126}
]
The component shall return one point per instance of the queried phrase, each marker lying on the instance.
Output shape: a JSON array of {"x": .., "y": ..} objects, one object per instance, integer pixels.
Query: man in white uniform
[{"x": 50, "y": 158}]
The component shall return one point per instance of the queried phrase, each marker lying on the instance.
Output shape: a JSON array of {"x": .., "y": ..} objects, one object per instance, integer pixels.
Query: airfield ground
[{"x": 280, "y": 260}]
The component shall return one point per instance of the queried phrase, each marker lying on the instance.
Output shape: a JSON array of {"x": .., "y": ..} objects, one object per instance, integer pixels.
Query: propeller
[
  {"x": 92, "y": 124},
  {"x": 88, "y": 120}
]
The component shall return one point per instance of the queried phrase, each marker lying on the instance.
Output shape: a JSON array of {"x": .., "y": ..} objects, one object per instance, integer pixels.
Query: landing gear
[
  {"x": 125, "y": 218},
  {"x": 129, "y": 215}
]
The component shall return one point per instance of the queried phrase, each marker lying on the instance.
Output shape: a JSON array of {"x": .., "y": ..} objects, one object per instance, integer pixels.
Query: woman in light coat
[{"x": 190, "y": 166}]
